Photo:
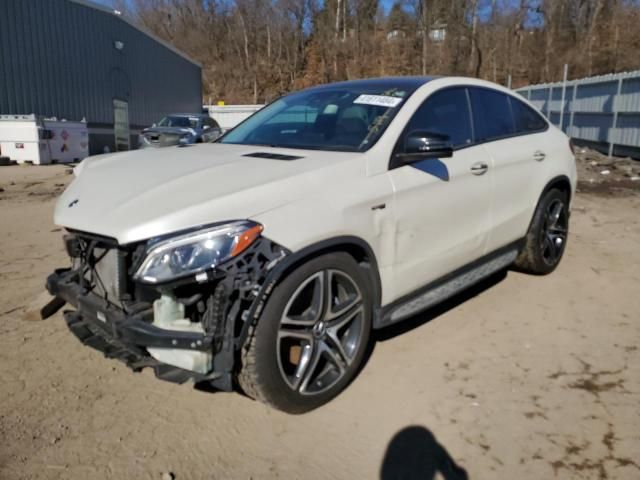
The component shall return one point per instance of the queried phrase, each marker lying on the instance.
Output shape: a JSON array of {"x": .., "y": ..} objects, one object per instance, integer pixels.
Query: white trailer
[
  {"x": 39, "y": 140},
  {"x": 228, "y": 116}
]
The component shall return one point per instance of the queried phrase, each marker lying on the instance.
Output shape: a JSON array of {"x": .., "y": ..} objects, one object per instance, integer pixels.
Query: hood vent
[{"x": 273, "y": 156}]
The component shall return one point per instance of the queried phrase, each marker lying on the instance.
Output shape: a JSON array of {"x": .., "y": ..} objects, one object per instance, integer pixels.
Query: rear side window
[
  {"x": 491, "y": 114},
  {"x": 447, "y": 113},
  {"x": 526, "y": 118}
]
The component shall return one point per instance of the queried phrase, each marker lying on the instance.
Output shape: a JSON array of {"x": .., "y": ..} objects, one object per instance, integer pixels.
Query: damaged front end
[{"x": 187, "y": 319}]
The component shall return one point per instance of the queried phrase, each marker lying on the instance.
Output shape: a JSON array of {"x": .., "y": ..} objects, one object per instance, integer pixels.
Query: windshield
[
  {"x": 177, "y": 121},
  {"x": 346, "y": 119}
]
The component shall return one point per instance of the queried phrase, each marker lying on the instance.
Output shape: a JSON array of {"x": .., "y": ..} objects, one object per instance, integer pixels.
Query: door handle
[
  {"x": 479, "y": 168},
  {"x": 539, "y": 155}
]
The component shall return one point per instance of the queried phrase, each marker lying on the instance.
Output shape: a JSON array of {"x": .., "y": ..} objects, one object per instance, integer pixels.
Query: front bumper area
[{"x": 107, "y": 328}]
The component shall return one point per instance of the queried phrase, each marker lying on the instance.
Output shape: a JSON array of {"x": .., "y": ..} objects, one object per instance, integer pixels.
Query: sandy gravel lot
[{"x": 523, "y": 378}]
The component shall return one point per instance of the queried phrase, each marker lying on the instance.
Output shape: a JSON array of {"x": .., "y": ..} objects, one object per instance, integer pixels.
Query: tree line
[{"x": 252, "y": 51}]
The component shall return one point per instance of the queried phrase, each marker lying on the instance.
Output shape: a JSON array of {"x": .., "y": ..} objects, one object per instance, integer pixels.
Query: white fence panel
[{"x": 629, "y": 100}]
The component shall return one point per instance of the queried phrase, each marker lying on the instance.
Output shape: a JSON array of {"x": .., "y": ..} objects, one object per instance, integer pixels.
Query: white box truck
[{"x": 39, "y": 140}]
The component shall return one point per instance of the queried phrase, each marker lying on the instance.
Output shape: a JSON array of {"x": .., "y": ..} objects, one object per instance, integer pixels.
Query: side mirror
[
  {"x": 420, "y": 145},
  {"x": 154, "y": 125}
]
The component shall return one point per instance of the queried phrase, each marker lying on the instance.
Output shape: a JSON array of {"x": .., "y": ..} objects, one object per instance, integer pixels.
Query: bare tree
[{"x": 255, "y": 50}]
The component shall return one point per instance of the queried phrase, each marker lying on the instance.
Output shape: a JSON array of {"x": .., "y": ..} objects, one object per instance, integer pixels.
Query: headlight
[{"x": 196, "y": 251}]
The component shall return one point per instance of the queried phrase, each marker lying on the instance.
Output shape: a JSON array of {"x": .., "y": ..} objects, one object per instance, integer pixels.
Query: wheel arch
[
  {"x": 562, "y": 183},
  {"x": 356, "y": 247}
]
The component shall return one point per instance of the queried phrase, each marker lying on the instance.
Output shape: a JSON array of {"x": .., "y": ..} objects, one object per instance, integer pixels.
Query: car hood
[{"x": 132, "y": 196}]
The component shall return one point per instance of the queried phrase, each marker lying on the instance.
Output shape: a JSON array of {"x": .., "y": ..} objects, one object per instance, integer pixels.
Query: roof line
[{"x": 131, "y": 23}]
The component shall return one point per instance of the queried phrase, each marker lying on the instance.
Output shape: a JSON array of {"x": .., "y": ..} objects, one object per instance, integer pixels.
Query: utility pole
[{"x": 564, "y": 89}]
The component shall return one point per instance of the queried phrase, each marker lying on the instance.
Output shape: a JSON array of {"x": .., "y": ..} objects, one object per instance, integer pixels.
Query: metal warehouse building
[{"x": 74, "y": 59}]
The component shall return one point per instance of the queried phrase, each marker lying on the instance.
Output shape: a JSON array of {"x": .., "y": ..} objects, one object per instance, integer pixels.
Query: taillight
[{"x": 572, "y": 146}]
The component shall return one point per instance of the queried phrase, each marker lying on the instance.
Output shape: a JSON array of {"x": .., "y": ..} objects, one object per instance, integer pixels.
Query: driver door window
[{"x": 445, "y": 113}]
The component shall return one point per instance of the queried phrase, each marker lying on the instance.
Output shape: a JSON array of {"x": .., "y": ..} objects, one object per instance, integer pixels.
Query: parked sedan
[
  {"x": 180, "y": 128},
  {"x": 263, "y": 261}
]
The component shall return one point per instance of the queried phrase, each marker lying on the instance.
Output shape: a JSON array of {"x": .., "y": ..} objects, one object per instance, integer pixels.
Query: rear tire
[
  {"x": 311, "y": 337},
  {"x": 547, "y": 236}
]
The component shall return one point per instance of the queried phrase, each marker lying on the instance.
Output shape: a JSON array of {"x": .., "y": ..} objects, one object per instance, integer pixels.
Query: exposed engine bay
[{"x": 187, "y": 329}]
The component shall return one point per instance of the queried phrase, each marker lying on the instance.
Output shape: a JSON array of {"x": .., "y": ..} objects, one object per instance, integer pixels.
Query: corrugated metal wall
[
  {"x": 57, "y": 58},
  {"x": 603, "y": 110}
]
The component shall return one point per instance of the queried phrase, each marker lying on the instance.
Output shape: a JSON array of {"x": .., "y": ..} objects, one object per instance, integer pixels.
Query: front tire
[
  {"x": 547, "y": 236},
  {"x": 311, "y": 337}
]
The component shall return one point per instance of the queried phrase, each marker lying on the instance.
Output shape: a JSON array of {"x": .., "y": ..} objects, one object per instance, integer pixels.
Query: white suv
[{"x": 264, "y": 260}]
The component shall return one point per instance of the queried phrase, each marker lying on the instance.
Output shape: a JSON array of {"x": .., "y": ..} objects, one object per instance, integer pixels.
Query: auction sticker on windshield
[{"x": 378, "y": 100}]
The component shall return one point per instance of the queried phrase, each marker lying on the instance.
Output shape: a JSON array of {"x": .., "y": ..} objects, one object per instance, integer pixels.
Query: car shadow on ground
[
  {"x": 411, "y": 323},
  {"x": 421, "y": 318},
  {"x": 414, "y": 453},
  {"x": 404, "y": 326}
]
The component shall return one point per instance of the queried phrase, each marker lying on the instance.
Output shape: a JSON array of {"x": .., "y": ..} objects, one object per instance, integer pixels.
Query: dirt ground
[{"x": 522, "y": 378}]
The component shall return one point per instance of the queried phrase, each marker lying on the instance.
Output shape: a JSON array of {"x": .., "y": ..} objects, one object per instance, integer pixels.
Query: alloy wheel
[
  {"x": 554, "y": 232},
  {"x": 320, "y": 331}
]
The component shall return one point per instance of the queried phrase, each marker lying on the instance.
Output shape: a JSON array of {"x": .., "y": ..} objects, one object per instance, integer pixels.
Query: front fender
[{"x": 327, "y": 221}]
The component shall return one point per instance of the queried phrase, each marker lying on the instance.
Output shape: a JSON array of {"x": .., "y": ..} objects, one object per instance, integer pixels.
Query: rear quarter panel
[{"x": 519, "y": 180}]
